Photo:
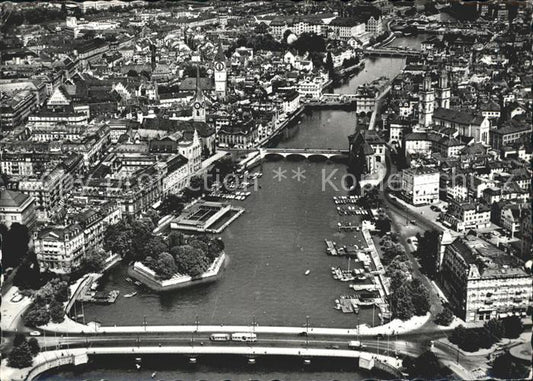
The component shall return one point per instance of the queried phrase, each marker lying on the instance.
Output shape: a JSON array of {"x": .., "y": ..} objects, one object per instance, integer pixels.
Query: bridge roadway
[
  {"x": 196, "y": 341},
  {"x": 304, "y": 152},
  {"x": 392, "y": 52}
]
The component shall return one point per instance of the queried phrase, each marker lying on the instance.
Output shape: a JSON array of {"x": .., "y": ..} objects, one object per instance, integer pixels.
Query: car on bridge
[
  {"x": 244, "y": 336},
  {"x": 356, "y": 344}
]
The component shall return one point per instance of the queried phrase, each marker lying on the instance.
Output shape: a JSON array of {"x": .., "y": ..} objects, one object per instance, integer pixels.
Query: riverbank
[{"x": 150, "y": 279}]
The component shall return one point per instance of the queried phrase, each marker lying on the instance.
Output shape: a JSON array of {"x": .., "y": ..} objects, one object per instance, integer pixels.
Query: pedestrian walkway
[
  {"x": 12, "y": 310},
  {"x": 394, "y": 327}
]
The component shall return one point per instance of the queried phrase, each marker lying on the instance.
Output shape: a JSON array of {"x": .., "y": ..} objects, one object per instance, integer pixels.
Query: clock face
[
  {"x": 197, "y": 105},
  {"x": 219, "y": 66}
]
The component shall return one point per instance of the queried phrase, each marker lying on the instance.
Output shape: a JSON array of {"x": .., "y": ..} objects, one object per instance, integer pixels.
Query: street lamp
[
  {"x": 194, "y": 331},
  {"x": 307, "y": 331}
]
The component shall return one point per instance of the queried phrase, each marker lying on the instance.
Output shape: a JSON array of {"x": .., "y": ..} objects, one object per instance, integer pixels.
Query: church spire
[
  {"x": 199, "y": 94},
  {"x": 220, "y": 56}
]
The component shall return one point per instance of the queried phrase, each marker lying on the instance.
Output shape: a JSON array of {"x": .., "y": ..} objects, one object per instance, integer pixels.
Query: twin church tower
[
  {"x": 433, "y": 98},
  {"x": 221, "y": 83}
]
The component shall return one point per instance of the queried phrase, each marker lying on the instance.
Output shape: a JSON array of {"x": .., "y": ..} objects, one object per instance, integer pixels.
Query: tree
[
  {"x": 154, "y": 247},
  {"x": 37, "y": 316},
  {"x": 445, "y": 317},
  {"x": 383, "y": 225},
  {"x": 428, "y": 252},
  {"x": 200, "y": 245},
  {"x": 223, "y": 167},
  {"x": 20, "y": 356},
  {"x": 214, "y": 248},
  {"x": 310, "y": 42},
  {"x": 419, "y": 297},
  {"x": 261, "y": 28},
  {"x": 370, "y": 199},
  {"x": 19, "y": 339},
  {"x": 35, "y": 348},
  {"x": 426, "y": 366},
  {"x": 195, "y": 189},
  {"x": 189, "y": 260},
  {"x": 165, "y": 266},
  {"x": 513, "y": 327},
  {"x": 495, "y": 328},
  {"x": 171, "y": 204},
  {"x": 175, "y": 239},
  {"x": 28, "y": 275},
  {"x": 93, "y": 261},
  {"x": 401, "y": 303},
  {"x": 117, "y": 238},
  {"x": 14, "y": 244},
  {"x": 397, "y": 278},
  {"x": 506, "y": 367},
  {"x": 57, "y": 312}
]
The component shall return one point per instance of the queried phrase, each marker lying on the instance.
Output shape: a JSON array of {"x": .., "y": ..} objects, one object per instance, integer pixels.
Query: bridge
[
  {"x": 48, "y": 360},
  {"x": 303, "y": 152},
  {"x": 392, "y": 52}
]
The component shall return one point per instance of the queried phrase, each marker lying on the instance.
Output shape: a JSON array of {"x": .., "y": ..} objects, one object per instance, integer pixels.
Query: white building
[
  {"x": 421, "y": 185},
  {"x": 483, "y": 282}
]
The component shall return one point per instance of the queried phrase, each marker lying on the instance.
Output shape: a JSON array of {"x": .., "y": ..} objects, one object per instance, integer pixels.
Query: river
[{"x": 280, "y": 236}]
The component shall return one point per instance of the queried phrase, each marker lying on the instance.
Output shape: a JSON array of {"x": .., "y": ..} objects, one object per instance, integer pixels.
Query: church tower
[
  {"x": 221, "y": 75},
  {"x": 199, "y": 101},
  {"x": 426, "y": 103},
  {"x": 443, "y": 91}
]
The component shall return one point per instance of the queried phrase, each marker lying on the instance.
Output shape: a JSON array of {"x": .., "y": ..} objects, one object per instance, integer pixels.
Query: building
[
  {"x": 366, "y": 150},
  {"x": 426, "y": 105},
  {"x": 511, "y": 133},
  {"x": 374, "y": 25},
  {"x": 442, "y": 96},
  {"x": 198, "y": 101},
  {"x": 15, "y": 109},
  {"x": 290, "y": 102},
  {"x": 345, "y": 28},
  {"x": 59, "y": 248},
  {"x": 483, "y": 282},
  {"x": 464, "y": 216},
  {"x": 310, "y": 88},
  {"x": 420, "y": 186},
  {"x": 466, "y": 123},
  {"x": 16, "y": 207},
  {"x": 49, "y": 190},
  {"x": 221, "y": 74}
]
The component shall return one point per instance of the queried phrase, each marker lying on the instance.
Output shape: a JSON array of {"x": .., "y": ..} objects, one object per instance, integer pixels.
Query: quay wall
[{"x": 148, "y": 277}]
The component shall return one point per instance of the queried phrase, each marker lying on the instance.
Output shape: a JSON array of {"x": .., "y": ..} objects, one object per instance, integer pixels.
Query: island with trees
[{"x": 178, "y": 261}]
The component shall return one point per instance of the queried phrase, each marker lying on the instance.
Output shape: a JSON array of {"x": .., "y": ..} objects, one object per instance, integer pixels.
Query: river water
[{"x": 270, "y": 246}]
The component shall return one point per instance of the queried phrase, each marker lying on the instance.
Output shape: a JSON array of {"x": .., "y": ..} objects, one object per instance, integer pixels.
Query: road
[
  {"x": 400, "y": 218},
  {"x": 381, "y": 345}
]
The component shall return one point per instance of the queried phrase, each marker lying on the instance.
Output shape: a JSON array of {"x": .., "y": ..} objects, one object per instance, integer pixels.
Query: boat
[
  {"x": 130, "y": 294},
  {"x": 138, "y": 366},
  {"x": 154, "y": 374},
  {"x": 307, "y": 272}
]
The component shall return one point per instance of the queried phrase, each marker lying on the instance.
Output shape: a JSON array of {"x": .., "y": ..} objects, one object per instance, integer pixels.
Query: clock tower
[
  {"x": 198, "y": 102},
  {"x": 221, "y": 74}
]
